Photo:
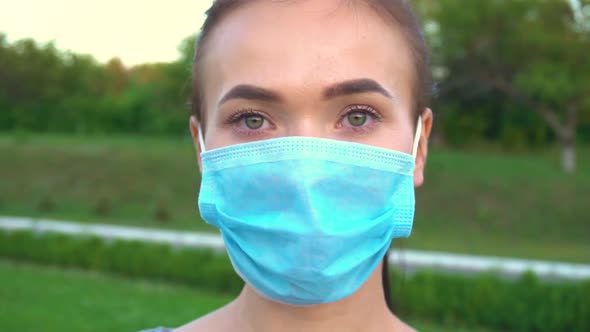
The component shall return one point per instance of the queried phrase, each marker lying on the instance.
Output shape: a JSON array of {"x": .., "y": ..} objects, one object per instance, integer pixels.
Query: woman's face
[{"x": 331, "y": 69}]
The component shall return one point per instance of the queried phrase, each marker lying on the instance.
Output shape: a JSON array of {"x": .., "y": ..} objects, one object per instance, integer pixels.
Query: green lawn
[
  {"x": 475, "y": 202},
  {"x": 47, "y": 299}
]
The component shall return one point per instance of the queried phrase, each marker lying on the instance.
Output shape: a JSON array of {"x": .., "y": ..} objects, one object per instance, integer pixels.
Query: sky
[{"x": 135, "y": 31}]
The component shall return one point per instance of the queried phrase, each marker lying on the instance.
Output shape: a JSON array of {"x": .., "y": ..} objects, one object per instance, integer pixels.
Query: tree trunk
[
  {"x": 565, "y": 130},
  {"x": 568, "y": 156},
  {"x": 568, "y": 139}
]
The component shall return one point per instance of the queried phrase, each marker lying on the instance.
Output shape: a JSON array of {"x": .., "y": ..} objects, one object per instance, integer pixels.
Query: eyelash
[
  {"x": 366, "y": 109},
  {"x": 240, "y": 115}
]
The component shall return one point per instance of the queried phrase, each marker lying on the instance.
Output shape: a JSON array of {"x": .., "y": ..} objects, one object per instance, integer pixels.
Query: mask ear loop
[
  {"x": 201, "y": 140},
  {"x": 417, "y": 137}
]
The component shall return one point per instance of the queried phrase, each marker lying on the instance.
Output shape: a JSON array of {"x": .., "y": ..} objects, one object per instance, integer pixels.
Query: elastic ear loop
[
  {"x": 417, "y": 137},
  {"x": 201, "y": 140},
  {"x": 385, "y": 271}
]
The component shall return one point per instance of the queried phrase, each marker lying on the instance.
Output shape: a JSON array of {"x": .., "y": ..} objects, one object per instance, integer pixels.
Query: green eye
[
  {"x": 254, "y": 121},
  {"x": 357, "y": 119}
]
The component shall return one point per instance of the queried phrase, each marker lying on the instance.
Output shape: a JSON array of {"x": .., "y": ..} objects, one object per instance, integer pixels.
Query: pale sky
[{"x": 136, "y": 31}]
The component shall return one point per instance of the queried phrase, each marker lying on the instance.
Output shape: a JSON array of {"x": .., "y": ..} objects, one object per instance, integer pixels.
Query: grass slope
[
  {"x": 47, "y": 299},
  {"x": 472, "y": 202}
]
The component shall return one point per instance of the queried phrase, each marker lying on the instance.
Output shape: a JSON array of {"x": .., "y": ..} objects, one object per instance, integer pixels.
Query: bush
[
  {"x": 202, "y": 268},
  {"x": 523, "y": 304}
]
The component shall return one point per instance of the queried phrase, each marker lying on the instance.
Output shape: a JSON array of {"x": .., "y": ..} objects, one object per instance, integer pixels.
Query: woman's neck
[{"x": 365, "y": 310}]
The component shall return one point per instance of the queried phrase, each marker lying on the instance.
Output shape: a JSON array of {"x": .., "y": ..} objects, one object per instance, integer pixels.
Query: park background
[{"x": 106, "y": 140}]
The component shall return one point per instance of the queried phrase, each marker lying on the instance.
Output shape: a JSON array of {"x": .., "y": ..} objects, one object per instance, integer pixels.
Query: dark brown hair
[{"x": 397, "y": 11}]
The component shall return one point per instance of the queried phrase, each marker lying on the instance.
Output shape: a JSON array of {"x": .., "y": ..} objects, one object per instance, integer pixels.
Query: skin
[{"x": 299, "y": 51}]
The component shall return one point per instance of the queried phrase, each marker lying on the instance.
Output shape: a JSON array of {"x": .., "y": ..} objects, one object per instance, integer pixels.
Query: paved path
[{"x": 409, "y": 260}]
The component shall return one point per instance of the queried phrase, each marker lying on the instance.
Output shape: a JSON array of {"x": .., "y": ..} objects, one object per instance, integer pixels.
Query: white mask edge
[
  {"x": 201, "y": 140},
  {"x": 417, "y": 137}
]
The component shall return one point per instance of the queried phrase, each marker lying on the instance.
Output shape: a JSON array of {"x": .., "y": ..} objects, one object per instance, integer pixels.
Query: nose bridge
[{"x": 307, "y": 123}]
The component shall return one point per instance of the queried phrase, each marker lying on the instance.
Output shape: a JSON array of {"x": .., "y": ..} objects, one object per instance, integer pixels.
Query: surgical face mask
[{"x": 307, "y": 220}]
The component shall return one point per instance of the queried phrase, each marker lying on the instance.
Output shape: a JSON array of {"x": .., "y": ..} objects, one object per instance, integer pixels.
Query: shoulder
[
  {"x": 403, "y": 327},
  {"x": 221, "y": 320},
  {"x": 407, "y": 328},
  {"x": 398, "y": 325}
]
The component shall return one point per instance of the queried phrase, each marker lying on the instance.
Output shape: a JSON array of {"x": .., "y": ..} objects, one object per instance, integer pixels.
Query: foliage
[
  {"x": 512, "y": 56},
  {"x": 128, "y": 258},
  {"x": 495, "y": 61},
  {"x": 43, "y": 89},
  {"x": 491, "y": 203},
  {"x": 525, "y": 304}
]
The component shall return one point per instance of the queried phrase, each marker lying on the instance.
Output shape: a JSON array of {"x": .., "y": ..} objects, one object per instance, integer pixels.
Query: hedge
[
  {"x": 523, "y": 304},
  {"x": 202, "y": 268}
]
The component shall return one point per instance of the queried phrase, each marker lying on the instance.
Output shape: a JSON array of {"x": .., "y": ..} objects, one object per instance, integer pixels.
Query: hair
[{"x": 398, "y": 12}]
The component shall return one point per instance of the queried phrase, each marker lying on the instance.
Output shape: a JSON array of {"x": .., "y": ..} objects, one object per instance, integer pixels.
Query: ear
[
  {"x": 194, "y": 127},
  {"x": 423, "y": 147}
]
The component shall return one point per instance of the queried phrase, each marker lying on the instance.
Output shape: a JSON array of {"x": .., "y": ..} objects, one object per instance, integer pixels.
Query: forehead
[{"x": 306, "y": 44}]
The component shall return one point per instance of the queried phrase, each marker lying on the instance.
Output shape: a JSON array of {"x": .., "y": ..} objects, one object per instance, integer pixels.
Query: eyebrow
[
  {"x": 346, "y": 88},
  {"x": 363, "y": 85},
  {"x": 251, "y": 92}
]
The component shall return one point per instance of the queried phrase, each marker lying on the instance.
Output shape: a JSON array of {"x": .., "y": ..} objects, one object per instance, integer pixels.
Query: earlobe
[
  {"x": 194, "y": 126},
  {"x": 422, "y": 153},
  {"x": 419, "y": 168}
]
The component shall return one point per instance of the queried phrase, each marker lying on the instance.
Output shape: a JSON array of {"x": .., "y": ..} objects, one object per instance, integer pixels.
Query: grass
[
  {"x": 47, "y": 299},
  {"x": 474, "y": 202}
]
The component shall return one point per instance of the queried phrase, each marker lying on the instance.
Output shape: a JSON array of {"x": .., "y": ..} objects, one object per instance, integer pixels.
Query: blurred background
[{"x": 94, "y": 129}]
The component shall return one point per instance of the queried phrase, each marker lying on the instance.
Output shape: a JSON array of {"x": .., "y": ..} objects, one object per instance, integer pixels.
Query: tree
[
  {"x": 118, "y": 75},
  {"x": 186, "y": 50},
  {"x": 534, "y": 52}
]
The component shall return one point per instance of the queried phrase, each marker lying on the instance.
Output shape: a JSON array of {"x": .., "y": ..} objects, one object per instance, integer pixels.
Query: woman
[{"x": 311, "y": 127}]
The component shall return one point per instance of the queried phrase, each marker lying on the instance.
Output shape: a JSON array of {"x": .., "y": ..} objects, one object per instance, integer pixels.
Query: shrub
[
  {"x": 523, "y": 304},
  {"x": 202, "y": 268}
]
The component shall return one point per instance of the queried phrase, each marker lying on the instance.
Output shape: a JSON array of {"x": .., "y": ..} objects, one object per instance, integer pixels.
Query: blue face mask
[{"x": 307, "y": 220}]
